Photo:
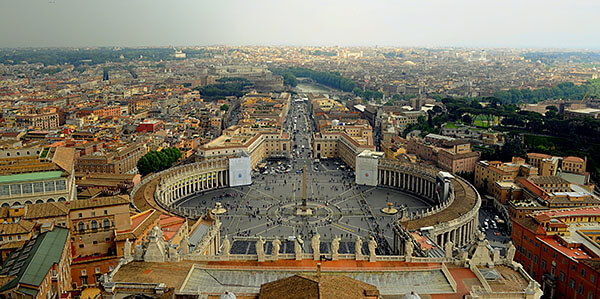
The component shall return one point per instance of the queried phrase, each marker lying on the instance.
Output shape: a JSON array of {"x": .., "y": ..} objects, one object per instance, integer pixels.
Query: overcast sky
[{"x": 470, "y": 23}]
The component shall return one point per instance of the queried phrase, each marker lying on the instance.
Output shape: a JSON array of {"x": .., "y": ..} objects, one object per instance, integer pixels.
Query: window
[
  {"x": 543, "y": 264},
  {"x": 80, "y": 245},
  {"x": 572, "y": 283},
  {"x": 80, "y": 226},
  {"x": 106, "y": 223},
  {"x": 592, "y": 278},
  {"x": 105, "y": 212},
  {"x": 545, "y": 249},
  {"x": 95, "y": 242},
  {"x": 574, "y": 268},
  {"x": 80, "y": 215},
  {"x": 580, "y": 289},
  {"x": 94, "y": 224}
]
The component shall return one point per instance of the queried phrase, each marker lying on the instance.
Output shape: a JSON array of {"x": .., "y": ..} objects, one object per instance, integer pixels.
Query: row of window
[
  {"x": 93, "y": 225},
  {"x": 30, "y": 188}
]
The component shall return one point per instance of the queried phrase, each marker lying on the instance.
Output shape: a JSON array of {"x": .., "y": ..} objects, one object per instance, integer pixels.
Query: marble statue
[
  {"x": 358, "y": 248},
  {"x": 226, "y": 246},
  {"x": 372, "y": 245},
  {"x": 276, "y": 247},
  {"x": 315, "y": 243},
  {"x": 298, "y": 248},
  {"x": 335, "y": 247},
  {"x": 127, "y": 250},
  {"x": 260, "y": 249},
  {"x": 138, "y": 253},
  {"x": 510, "y": 252},
  {"x": 185, "y": 246}
]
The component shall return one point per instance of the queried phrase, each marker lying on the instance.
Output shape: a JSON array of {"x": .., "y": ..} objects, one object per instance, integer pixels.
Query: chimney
[{"x": 318, "y": 269}]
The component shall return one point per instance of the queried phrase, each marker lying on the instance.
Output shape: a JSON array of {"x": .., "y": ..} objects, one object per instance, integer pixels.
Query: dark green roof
[
  {"x": 31, "y": 263},
  {"x": 33, "y": 176}
]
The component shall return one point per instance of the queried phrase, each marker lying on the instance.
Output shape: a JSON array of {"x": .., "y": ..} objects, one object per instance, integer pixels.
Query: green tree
[
  {"x": 224, "y": 107},
  {"x": 155, "y": 161},
  {"x": 467, "y": 119}
]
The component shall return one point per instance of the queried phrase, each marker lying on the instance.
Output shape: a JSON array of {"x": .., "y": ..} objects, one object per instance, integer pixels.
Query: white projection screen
[
  {"x": 366, "y": 170},
  {"x": 240, "y": 171}
]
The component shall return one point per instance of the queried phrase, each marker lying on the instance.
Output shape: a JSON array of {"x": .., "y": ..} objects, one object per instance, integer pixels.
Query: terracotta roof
[
  {"x": 325, "y": 286},
  {"x": 64, "y": 157},
  {"x": 548, "y": 179},
  {"x": 137, "y": 230},
  {"x": 573, "y": 159},
  {"x": 97, "y": 202},
  {"x": 56, "y": 209},
  {"x": 13, "y": 245},
  {"x": 44, "y": 210},
  {"x": 538, "y": 155},
  {"x": 528, "y": 223},
  {"x": 21, "y": 227}
]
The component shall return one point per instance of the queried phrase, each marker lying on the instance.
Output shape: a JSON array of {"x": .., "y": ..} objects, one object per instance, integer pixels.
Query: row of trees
[
  {"x": 221, "y": 90},
  {"x": 155, "y": 161},
  {"x": 330, "y": 79},
  {"x": 566, "y": 91}
]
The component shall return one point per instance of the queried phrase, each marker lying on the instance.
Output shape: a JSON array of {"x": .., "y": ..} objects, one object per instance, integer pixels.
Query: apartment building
[
  {"x": 40, "y": 269},
  {"x": 559, "y": 249},
  {"x": 37, "y": 178},
  {"x": 117, "y": 159}
]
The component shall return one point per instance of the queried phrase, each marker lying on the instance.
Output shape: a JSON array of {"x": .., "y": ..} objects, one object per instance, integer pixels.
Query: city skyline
[{"x": 510, "y": 24}]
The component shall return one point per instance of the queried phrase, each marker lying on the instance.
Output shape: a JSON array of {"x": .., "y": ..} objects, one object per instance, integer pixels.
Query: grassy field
[{"x": 485, "y": 120}]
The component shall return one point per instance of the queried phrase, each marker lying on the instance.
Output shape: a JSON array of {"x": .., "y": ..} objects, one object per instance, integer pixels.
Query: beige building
[
  {"x": 258, "y": 143},
  {"x": 118, "y": 160},
  {"x": 549, "y": 165},
  {"x": 488, "y": 173},
  {"x": 37, "y": 178}
]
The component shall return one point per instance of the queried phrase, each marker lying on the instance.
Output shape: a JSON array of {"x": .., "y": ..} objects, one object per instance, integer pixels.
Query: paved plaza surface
[{"x": 268, "y": 207}]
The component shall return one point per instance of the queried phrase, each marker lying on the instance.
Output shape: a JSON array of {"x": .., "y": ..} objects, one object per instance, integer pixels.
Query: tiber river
[{"x": 312, "y": 87}]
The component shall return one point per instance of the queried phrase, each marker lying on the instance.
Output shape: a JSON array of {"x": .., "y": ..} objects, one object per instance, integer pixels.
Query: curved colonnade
[{"x": 454, "y": 220}]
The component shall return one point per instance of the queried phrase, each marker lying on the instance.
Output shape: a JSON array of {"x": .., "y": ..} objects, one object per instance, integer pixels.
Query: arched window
[
  {"x": 50, "y": 199},
  {"x": 94, "y": 224},
  {"x": 81, "y": 226},
  {"x": 61, "y": 199},
  {"x": 106, "y": 223}
]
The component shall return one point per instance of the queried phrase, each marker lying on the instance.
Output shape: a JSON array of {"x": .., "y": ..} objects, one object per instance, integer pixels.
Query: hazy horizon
[{"x": 553, "y": 25}]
